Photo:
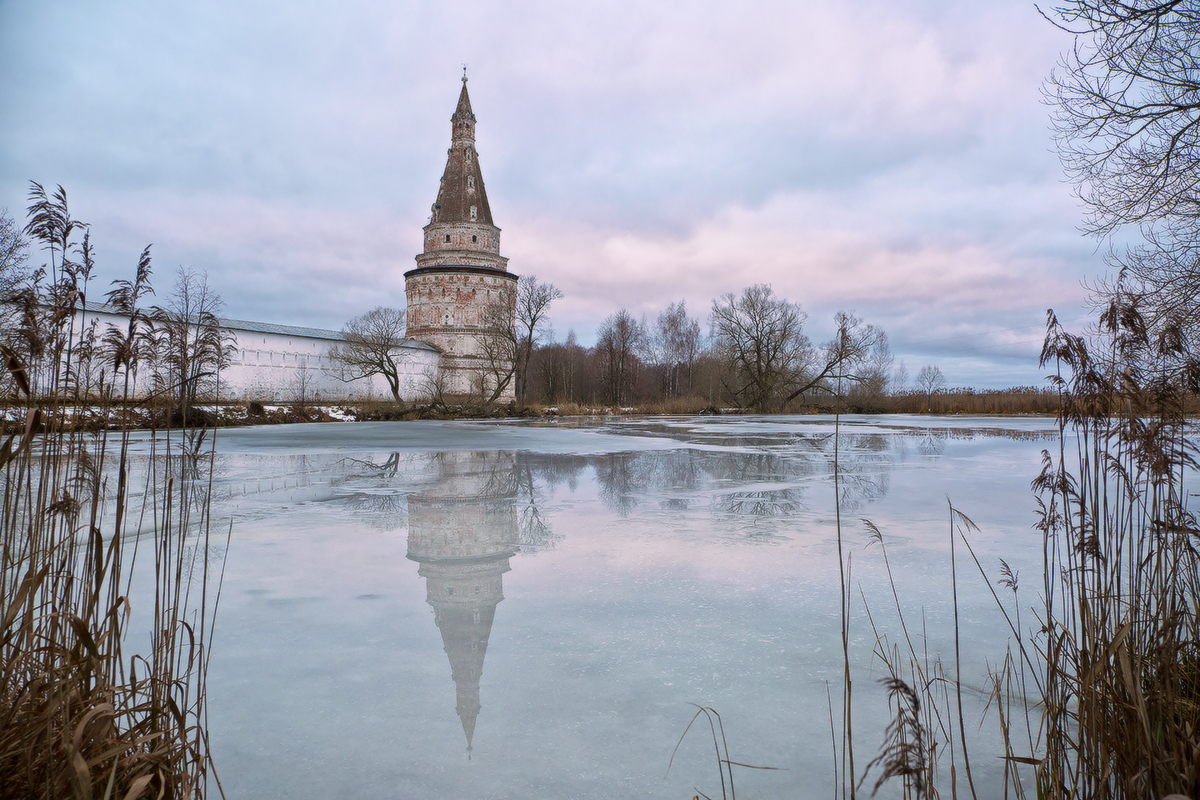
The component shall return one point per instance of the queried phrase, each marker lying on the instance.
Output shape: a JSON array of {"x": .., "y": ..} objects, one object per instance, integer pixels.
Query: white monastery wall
[
  {"x": 271, "y": 362},
  {"x": 276, "y": 363}
]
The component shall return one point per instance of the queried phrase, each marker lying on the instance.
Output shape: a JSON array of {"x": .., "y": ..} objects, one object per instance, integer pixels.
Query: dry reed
[
  {"x": 725, "y": 764},
  {"x": 1112, "y": 662},
  {"x": 1121, "y": 687},
  {"x": 80, "y": 715}
]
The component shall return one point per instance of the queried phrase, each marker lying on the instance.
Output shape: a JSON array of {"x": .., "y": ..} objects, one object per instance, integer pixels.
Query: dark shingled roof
[
  {"x": 456, "y": 195},
  {"x": 464, "y": 105},
  {"x": 249, "y": 326}
]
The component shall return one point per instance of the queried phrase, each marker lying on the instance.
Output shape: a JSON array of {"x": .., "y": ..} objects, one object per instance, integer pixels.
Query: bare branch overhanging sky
[{"x": 890, "y": 158}]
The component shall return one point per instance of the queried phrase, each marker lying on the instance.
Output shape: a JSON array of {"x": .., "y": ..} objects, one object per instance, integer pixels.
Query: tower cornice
[{"x": 460, "y": 268}]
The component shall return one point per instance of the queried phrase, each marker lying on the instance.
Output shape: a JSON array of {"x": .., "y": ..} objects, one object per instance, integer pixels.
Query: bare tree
[
  {"x": 500, "y": 346},
  {"x": 769, "y": 362},
  {"x": 877, "y": 366},
  {"x": 849, "y": 360},
  {"x": 1128, "y": 129},
  {"x": 760, "y": 338},
  {"x": 930, "y": 381},
  {"x": 620, "y": 340},
  {"x": 533, "y": 303},
  {"x": 190, "y": 346},
  {"x": 14, "y": 254},
  {"x": 1165, "y": 272},
  {"x": 303, "y": 384},
  {"x": 562, "y": 369},
  {"x": 434, "y": 386},
  {"x": 900, "y": 377},
  {"x": 20, "y": 302},
  {"x": 1128, "y": 103},
  {"x": 370, "y": 344},
  {"x": 677, "y": 341}
]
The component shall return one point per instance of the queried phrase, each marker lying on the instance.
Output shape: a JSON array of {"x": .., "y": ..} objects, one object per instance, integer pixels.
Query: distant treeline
[{"x": 756, "y": 358}]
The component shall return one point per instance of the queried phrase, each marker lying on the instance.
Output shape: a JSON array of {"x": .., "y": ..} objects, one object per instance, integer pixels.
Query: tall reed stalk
[
  {"x": 85, "y": 713},
  {"x": 1107, "y": 684},
  {"x": 1121, "y": 568}
]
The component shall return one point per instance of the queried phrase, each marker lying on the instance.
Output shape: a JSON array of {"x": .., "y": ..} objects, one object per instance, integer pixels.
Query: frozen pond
[{"x": 517, "y": 610}]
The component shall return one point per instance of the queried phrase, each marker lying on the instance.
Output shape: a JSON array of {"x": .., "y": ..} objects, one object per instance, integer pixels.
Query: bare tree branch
[
  {"x": 930, "y": 381},
  {"x": 1127, "y": 123},
  {"x": 677, "y": 344},
  {"x": 370, "y": 345},
  {"x": 760, "y": 338},
  {"x": 190, "y": 346},
  {"x": 1127, "y": 115},
  {"x": 532, "y": 305},
  {"x": 501, "y": 347},
  {"x": 619, "y": 343}
]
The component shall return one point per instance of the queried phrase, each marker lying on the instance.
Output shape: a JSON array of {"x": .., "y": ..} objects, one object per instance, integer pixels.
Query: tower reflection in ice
[{"x": 462, "y": 530}]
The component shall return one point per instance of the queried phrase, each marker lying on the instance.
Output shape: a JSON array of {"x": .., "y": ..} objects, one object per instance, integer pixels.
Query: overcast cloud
[{"x": 890, "y": 158}]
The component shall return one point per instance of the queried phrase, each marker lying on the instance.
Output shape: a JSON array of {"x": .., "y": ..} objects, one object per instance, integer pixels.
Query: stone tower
[{"x": 461, "y": 292}]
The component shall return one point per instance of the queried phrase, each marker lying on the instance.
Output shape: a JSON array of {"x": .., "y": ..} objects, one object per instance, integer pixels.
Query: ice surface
[{"x": 527, "y": 609}]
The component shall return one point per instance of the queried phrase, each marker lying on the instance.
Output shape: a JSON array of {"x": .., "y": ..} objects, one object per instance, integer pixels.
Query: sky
[{"x": 891, "y": 158}]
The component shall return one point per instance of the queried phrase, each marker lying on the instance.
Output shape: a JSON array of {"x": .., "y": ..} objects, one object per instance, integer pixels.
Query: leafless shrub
[{"x": 501, "y": 346}]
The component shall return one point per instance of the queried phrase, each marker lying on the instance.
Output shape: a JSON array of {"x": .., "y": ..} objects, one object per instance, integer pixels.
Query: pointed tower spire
[
  {"x": 463, "y": 111},
  {"x": 463, "y": 121},
  {"x": 461, "y": 196}
]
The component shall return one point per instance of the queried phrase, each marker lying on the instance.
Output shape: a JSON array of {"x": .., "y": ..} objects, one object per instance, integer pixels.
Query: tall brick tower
[{"x": 461, "y": 292}]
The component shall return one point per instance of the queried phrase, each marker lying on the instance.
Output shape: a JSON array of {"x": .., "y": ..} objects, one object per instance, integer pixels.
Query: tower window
[
  {"x": 470, "y": 182},
  {"x": 447, "y": 237},
  {"x": 473, "y": 213},
  {"x": 474, "y": 238}
]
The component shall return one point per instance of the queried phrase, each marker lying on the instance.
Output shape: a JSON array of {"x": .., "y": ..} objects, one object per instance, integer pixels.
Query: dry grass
[
  {"x": 720, "y": 742},
  {"x": 80, "y": 715},
  {"x": 1019, "y": 400},
  {"x": 692, "y": 404}
]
